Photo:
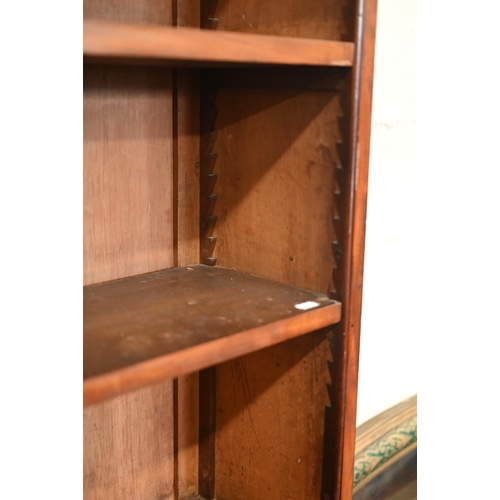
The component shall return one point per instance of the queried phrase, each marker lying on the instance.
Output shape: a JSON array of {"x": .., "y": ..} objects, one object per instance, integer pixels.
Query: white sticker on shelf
[{"x": 304, "y": 306}]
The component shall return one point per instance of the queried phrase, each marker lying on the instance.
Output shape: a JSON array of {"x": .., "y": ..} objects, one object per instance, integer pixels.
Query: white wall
[{"x": 388, "y": 368}]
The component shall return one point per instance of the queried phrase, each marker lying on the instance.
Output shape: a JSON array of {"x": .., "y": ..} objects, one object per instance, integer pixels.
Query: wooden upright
[{"x": 226, "y": 154}]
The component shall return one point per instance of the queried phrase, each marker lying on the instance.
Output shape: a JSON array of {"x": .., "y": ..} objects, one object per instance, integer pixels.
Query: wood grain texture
[
  {"x": 127, "y": 42},
  {"x": 270, "y": 420},
  {"x": 188, "y": 168},
  {"x": 148, "y": 328},
  {"x": 321, "y": 19},
  {"x": 129, "y": 11},
  {"x": 188, "y": 192},
  {"x": 276, "y": 170},
  {"x": 187, "y": 435},
  {"x": 359, "y": 153},
  {"x": 128, "y": 446},
  {"x": 276, "y": 160},
  {"x": 187, "y": 249},
  {"x": 128, "y": 449},
  {"x": 207, "y": 400},
  {"x": 188, "y": 13},
  {"x": 127, "y": 171}
]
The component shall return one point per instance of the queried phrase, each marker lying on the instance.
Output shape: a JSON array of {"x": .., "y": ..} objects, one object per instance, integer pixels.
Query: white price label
[{"x": 304, "y": 306}]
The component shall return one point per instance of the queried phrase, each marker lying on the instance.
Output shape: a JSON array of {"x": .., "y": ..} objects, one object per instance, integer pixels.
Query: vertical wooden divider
[
  {"x": 187, "y": 253},
  {"x": 207, "y": 399},
  {"x": 207, "y": 378},
  {"x": 340, "y": 427},
  {"x": 187, "y": 119}
]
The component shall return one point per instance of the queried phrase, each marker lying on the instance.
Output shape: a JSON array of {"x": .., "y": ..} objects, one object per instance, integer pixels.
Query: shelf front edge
[
  {"x": 106, "y": 386},
  {"x": 127, "y": 42}
]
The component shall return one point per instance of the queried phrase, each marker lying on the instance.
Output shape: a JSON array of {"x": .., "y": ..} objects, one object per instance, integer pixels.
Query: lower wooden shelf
[{"x": 141, "y": 330}]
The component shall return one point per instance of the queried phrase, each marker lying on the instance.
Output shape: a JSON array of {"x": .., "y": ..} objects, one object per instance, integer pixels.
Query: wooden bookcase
[{"x": 225, "y": 173}]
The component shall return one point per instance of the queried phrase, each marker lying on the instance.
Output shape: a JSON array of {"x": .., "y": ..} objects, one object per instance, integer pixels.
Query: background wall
[{"x": 388, "y": 368}]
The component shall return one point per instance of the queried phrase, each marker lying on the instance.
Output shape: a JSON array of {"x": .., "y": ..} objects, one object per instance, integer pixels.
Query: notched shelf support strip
[
  {"x": 332, "y": 456},
  {"x": 208, "y": 159}
]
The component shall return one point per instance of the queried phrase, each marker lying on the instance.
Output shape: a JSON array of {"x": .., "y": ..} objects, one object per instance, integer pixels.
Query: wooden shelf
[
  {"x": 116, "y": 42},
  {"x": 145, "y": 329}
]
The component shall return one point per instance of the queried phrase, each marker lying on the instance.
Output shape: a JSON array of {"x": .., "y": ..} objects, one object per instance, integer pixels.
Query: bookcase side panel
[{"x": 360, "y": 154}]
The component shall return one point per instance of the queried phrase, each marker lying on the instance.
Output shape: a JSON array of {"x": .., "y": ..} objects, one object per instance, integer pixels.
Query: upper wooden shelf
[
  {"x": 144, "y": 329},
  {"x": 127, "y": 43}
]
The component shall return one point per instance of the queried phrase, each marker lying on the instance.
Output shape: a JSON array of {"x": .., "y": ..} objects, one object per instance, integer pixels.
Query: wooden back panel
[
  {"x": 276, "y": 175},
  {"x": 128, "y": 171},
  {"x": 128, "y": 446},
  {"x": 128, "y": 229},
  {"x": 321, "y": 19},
  {"x": 129, "y": 11}
]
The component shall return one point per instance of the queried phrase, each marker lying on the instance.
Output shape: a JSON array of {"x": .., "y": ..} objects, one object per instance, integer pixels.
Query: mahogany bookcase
[{"x": 225, "y": 180}]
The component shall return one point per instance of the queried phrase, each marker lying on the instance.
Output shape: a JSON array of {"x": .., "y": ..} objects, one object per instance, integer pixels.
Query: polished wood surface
[
  {"x": 360, "y": 153},
  {"x": 128, "y": 448},
  {"x": 269, "y": 428},
  {"x": 105, "y": 40},
  {"x": 148, "y": 328},
  {"x": 127, "y": 154},
  {"x": 187, "y": 168},
  {"x": 284, "y": 141},
  {"x": 341, "y": 415}
]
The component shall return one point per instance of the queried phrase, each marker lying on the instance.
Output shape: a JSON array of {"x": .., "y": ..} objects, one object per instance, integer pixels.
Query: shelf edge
[
  {"x": 103, "y": 40},
  {"x": 106, "y": 386}
]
